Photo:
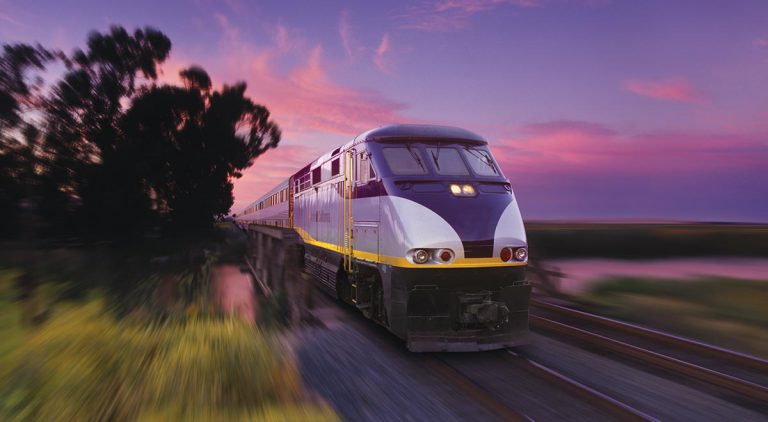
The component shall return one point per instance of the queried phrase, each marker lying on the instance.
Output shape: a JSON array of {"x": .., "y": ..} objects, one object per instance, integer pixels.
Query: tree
[
  {"x": 85, "y": 176},
  {"x": 170, "y": 157},
  {"x": 195, "y": 143},
  {"x": 18, "y": 137}
]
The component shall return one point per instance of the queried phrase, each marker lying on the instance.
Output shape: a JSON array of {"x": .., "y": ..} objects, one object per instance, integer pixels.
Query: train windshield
[
  {"x": 405, "y": 161},
  {"x": 447, "y": 161},
  {"x": 481, "y": 161}
]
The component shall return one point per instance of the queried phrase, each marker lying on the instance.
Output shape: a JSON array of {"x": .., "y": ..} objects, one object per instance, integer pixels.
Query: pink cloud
[
  {"x": 302, "y": 96},
  {"x": 381, "y": 51},
  {"x": 567, "y": 147},
  {"x": 7, "y": 18},
  {"x": 566, "y": 169},
  {"x": 306, "y": 99},
  {"x": 677, "y": 90},
  {"x": 230, "y": 30},
  {"x": 762, "y": 42},
  {"x": 345, "y": 33},
  {"x": 448, "y": 15},
  {"x": 281, "y": 37},
  {"x": 474, "y": 6}
]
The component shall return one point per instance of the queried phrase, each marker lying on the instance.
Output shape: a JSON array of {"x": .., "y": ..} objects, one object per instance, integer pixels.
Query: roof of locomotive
[{"x": 420, "y": 132}]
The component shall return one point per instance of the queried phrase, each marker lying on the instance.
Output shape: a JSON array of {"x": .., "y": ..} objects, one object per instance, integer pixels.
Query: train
[{"x": 418, "y": 228}]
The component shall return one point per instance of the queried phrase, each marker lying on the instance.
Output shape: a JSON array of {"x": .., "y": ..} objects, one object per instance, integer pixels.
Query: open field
[{"x": 726, "y": 312}]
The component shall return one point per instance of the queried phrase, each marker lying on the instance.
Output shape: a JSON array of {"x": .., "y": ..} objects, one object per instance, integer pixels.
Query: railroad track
[
  {"x": 455, "y": 373},
  {"x": 489, "y": 400},
  {"x": 594, "y": 397},
  {"x": 478, "y": 394},
  {"x": 734, "y": 384}
]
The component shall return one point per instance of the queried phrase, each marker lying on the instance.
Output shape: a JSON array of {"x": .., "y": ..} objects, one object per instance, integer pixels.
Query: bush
[{"x": 84, "y": 365}]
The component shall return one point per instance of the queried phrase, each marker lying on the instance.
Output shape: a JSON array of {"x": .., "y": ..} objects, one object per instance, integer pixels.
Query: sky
[{"x": 595, "y": 109}]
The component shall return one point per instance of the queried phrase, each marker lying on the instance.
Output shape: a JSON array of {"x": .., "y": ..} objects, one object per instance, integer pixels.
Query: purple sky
[{"x": 595, "y": 108}]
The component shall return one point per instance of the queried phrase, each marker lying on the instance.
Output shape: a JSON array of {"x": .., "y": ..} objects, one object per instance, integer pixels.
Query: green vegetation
[
  {"x": 727, "y": 312},
  {"x": 642, "y": 241},
  {"x": 11, "y": 332},
  {"x": 84, "y": 365},
  {"x": 131, "y": 334}
]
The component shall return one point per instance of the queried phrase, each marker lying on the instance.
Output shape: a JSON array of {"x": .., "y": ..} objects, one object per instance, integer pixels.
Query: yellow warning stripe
[{"x": 403, "y": 262}]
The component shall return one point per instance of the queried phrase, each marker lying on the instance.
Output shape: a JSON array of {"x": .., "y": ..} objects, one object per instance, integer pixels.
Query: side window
[
  {"x": 364, "y": 167},
  {"x": 335, "y": 167},
  {"x": 316, "y": 176}
]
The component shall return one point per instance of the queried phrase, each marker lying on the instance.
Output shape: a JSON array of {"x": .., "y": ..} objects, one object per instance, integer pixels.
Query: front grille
[{"x": 478, "y": 248}]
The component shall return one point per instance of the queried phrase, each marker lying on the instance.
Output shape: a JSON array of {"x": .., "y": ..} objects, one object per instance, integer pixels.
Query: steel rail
[
  {"x": 594, "y": 397},
  {"x": 742, "y": 387},
  {"x": 727, "y": 355},
  {"x": 480, "y": 395}
]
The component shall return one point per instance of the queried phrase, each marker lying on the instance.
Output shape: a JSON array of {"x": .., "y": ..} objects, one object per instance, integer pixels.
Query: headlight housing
[
  {"x": 420, "y": 256},
  {"x": 509, "y": 254},
  {"x": 463, "y": 190},
  {"x": 444, "y": 255},
  {"x": 431, "y": 256},
  {"x": 506, "y": 254}
]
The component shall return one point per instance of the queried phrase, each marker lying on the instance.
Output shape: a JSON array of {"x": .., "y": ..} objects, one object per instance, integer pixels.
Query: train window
[
  {"x": 447, "y": 161},
  {"x": 316, "y": 176},
  {"x": 404, "y": 160},
  {"x": 335, "y": 167},
  {"x": 303, "y": 182},
  {"x": 366, "y": 171},
  {"x": 481, "y": 161},
  {"x": 363, "y": 170}
]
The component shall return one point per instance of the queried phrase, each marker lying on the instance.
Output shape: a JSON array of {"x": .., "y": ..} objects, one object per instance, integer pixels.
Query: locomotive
[{"x": 417, "y": 227}]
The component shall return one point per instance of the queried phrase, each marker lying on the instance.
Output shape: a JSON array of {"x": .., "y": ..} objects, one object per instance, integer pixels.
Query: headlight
[
  {"x": 521, "y": 254},
  {"x": 463, "y": 190},
  {"x": 420, "y": 256}
]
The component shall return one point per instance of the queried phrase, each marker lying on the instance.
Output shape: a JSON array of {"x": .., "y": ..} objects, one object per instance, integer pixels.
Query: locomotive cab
[{"x": 451, "y": 244}]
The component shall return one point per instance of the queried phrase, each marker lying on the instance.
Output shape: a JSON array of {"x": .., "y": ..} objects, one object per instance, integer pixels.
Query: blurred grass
[
  {"x": 117, "y": 346},
  {"x": 11, "y": 331},
  {"x": 643, "y": 241},
  {"x": 86, "y": 365},
  {"x": 727, "y": 312}
]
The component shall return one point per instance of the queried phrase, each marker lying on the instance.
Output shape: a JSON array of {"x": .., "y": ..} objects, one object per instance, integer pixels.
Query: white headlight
[
  {"x": 521, "y": 254},
  {"x": 420, "y": 256},
  {"x": 456, "y": 190}
]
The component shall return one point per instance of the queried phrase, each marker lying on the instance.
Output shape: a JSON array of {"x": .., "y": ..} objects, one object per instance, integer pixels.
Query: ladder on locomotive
[{"x": 348, "y": 236}]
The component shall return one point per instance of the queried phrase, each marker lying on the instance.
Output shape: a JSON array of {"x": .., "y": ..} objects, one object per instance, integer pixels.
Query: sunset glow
[{"x": 595, "y": 109}]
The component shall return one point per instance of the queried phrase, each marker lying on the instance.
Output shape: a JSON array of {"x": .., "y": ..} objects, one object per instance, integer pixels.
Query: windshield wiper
[
  {"x": 482, "y": 156},
  {"x": 415, "y": 156},
  {"x": 435, "y": 158}
]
